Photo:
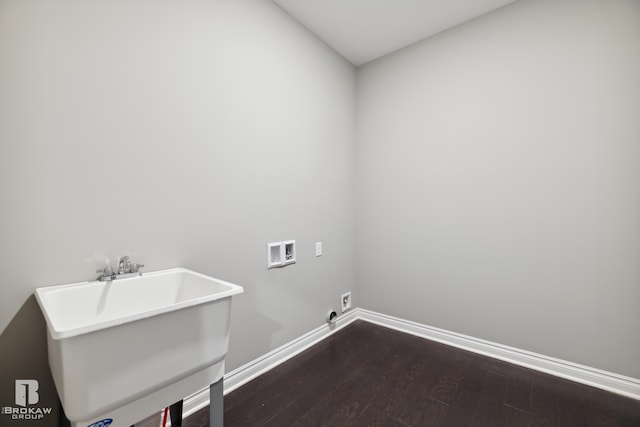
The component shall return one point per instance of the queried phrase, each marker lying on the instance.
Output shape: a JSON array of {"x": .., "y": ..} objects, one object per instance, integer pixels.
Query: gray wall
[
  {"x": 498, "y": 181},
  {"x": 181, "y": 133}
]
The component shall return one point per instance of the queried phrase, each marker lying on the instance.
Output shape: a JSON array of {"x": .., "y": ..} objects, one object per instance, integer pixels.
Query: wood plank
[
  {"x": 515, "y": 418},
  {"x": 489, "y": 406},
  {"x": 570, "y": 410},
  {"x": 598, "y": 408},
  {"x": 446, "y": 384},
  {"x": 544, "y": 405},
  {"x": 330, "y": 409},
  {"x": 387, "y": 400},
  {"x": 519, "y": 392},
  {"x": 462, "y": 408},
  {"x": 626, "y": 410}
]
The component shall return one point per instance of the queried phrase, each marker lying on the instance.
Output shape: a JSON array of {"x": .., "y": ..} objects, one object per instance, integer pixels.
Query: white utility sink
[{"x": 121, "y": 350}]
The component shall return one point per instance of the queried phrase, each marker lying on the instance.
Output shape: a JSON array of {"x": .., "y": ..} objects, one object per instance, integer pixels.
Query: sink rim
[{"x": 58, "y": 333}]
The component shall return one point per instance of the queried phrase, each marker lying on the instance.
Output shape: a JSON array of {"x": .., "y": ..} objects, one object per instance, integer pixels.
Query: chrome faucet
[{"x": 125, "y": 269}]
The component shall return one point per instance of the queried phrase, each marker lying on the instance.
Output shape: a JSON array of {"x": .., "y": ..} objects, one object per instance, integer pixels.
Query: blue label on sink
[{"x": 101, "y": 423}]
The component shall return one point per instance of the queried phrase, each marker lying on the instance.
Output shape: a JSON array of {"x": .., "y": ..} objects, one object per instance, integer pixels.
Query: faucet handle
[
  {"x": 136, "y": 267},
  {"x": 107, "y": 272}
]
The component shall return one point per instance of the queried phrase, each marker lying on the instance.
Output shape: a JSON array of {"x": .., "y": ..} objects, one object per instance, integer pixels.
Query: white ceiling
[{"x": 363, "y": 30}]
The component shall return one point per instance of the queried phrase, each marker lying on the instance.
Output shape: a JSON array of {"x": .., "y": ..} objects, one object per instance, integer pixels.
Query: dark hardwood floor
[{"x": 367, "y": 375}]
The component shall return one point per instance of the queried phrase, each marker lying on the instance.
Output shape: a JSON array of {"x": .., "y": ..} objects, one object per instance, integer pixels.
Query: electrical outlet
[{"x": 345, "y": 301}]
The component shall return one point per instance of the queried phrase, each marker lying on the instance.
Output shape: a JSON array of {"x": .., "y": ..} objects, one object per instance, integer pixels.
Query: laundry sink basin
[{"x": 120, "y": 350}]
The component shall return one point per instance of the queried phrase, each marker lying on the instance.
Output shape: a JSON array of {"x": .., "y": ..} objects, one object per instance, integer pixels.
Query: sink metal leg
[
  {"x": 176, "y": 414},
  {"x": 216, "y": 405}
]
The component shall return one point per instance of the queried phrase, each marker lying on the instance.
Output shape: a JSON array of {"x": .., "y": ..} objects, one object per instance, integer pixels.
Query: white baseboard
[
  {"x": 609, "y": 381},
  {"x": 257, "y": 367}
]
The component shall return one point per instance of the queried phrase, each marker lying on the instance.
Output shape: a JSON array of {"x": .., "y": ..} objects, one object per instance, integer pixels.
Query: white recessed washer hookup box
[{"x": 280, "y": 254}]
